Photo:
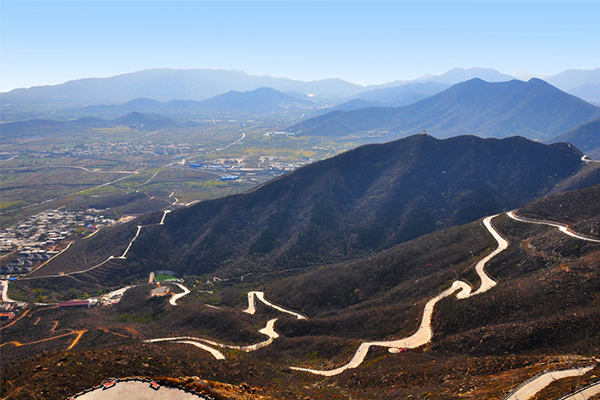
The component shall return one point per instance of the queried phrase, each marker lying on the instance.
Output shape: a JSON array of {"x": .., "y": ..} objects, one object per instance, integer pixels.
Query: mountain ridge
[
  {"x": 365, "y": 200},
  {"x": 534, "y": 109}
]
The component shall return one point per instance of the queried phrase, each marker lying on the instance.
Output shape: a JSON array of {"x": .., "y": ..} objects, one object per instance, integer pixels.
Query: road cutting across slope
[
  {"x": 261, "y": 296},
  {"x": 177, "y": 296},
  {"x": 561, "y": 227},
  {"x": 424, "y": 334},
  {"x": 531, "y": 387}
]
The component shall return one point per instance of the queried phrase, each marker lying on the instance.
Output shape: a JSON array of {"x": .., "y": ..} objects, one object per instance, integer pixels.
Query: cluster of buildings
[
  {"x": 266, "y": 165},
  {"x": 36, "y": 238},
  {"x": 124, "y": 148}
]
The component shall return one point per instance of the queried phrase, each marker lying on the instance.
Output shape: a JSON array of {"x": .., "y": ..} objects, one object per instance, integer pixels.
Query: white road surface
[
  {"x": 561, "y": 227},
  {"x": 424, "y": 334},
  {"x": 419, "y": 338},
  {"x": 202, "y": 343},
  {"x": 175, "y": 297},
  {"x": 162, "y": 221},
  {"x": 261, "y": 296},
  {"x": 486, "y": 282},
  {"x": 216, "y": 353},
  {"x": 584, "y": 393},
  {"x": 5, "y": 292},
  {"x": 139, "y": 228},
  {"x": 268, "y": 330},
  {"x": 531, "y": 388}
]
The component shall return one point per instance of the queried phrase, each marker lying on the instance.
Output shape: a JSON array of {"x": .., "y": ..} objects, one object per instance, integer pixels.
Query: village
[{"x": 41, "y": 236}]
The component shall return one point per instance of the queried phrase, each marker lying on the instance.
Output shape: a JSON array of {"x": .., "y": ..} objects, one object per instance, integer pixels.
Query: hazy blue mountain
[
  {"x": 355, "y": 104},
  {"x": 534, "y": 109},
  {"x": 582, "y": 83},
  {"x": 257, "y": 101},
  {"x": 165, "y": 85},
  {"x": 585, "y": 137},
  {"x": 148, "y": 121},
  {"x": 137, "y": 105},
  {"x": 574, "y": 78},
  {"x": 457, "y": 75},
  {"x": 262, "y": 100},
  {"x": 46, "y": 127},
  {"x": 589, "y": 92},
  {"x": 395, "y": 96}
]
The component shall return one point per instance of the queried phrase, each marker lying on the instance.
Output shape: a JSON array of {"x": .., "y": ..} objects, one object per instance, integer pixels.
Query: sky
[{"x": 51, "y": 42}]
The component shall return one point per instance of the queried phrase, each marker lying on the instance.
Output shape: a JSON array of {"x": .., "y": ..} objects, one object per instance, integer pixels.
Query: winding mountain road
[
  {"x": 424, "y": 334},
  {"x": 261, "y": 296},
  {"x": 177, "y": 296},
  {"x": 529, "y": 389},
  {"x": 5, "y": 292},
  {"x": 561, "y": 227},
  {"x": 584, "y": 393}
]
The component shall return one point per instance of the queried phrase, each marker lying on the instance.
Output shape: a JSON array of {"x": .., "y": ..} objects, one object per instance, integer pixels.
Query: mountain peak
[{"x": 534, "y": 109}]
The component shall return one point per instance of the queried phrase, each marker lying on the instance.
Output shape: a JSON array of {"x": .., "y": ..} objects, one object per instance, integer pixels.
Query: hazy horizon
[{"x": 366, "y": 43}]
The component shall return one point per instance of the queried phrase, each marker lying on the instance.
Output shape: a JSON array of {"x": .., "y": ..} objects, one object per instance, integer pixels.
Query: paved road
[
  {"x": 561, "y": 227},
  {"x": 139, "y": 228},
  {"x": 486, "y": 282},
  {"x": 175, "y": 297},
  {"x": 268, "y": 330},
  {"x": 585, "y": 393},
  {"x": 419, "y": 338},
  {"x": 5, "y": 292},
  {"x": 424, "y": 334},
  {"x": 530, "y": 389},
  {"x": 162, "y": 221},
  {"x": 261, "y": 296}
]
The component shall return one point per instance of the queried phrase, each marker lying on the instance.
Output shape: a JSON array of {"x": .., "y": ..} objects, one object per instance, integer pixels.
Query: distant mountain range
[
  {"x": 534, "y": 109},
  {"x": 46, "y": 127},
  {"x": 166, "y": 85},
  {"x": 180, "y": 89},
  {"x": 395, "y": 96},
  {"x": 259, "y": 101},
  {"x": 586, "y": 137},
  {"x": 359, "y": 202}
]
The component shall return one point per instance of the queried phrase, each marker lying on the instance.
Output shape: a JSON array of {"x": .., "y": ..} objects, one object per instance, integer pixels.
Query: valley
[
  {"x": 462, "y": 288},
  {"x": 275, "y": 245}
]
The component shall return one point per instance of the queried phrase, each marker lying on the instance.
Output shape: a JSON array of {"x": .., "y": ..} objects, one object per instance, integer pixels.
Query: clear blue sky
[{"x": 51, "y": 42}]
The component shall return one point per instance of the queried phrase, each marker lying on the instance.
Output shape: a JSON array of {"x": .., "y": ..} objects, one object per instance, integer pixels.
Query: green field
[{"x": 165, "y": 278}]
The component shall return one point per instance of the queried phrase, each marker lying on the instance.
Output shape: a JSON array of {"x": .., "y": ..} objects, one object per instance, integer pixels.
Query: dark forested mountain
[
  {"x": 586, "y": 137},
  {"x": 362, "y": 201},
  {"x": 534, "y": 109}
]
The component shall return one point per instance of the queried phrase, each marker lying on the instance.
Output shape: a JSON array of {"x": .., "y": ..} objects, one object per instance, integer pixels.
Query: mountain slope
[
  {"x": 585, "y": 137},
  {"x": 573, "y": 78},
  {"x": 361, "y": 201},
  {"x": 45, "y": 127},
  {"x": 395, "y": 96},
  {"x": 257, "y": 101},
  {"x": 457, "y": 75},
  {"x": 533, "y": 109}
]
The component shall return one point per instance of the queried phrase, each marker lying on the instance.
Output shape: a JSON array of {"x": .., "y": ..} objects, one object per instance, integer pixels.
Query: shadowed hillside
[{"x": 359, "y": 202}]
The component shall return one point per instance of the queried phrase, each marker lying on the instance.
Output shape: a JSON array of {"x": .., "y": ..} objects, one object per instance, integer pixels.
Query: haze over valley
[{"x": 235, "y": 210}]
